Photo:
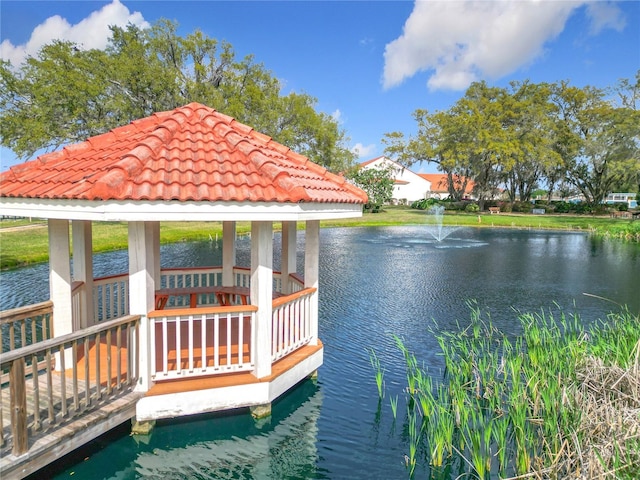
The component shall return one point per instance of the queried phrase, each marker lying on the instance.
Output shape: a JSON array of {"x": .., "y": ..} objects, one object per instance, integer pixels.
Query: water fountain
[{"x": 434, "y": 223}]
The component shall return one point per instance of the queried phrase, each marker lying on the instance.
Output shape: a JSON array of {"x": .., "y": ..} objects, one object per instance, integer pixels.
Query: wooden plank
[
  {"x": 18, "y": 400},
  {"x": 9, "y": 316}
]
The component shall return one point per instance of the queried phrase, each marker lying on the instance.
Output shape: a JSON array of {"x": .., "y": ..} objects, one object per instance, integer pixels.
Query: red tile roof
[
  {"x": 439, "y": 182},
  {"x": 192, "y": 153}
]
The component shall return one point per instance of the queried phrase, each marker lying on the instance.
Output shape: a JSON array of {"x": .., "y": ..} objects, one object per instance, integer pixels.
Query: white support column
[
  {"x": 311, "y": 262},
  {"x": 142, "y": 290},
  {"x": 83, "y": 270},
  {"x": 261, "y": 293},
  {"x": 60, "y": 283},
  {"x": 228, "y": 253},
  {"x": 155, "y": 233},
  {"x": 288, "y": 262}
]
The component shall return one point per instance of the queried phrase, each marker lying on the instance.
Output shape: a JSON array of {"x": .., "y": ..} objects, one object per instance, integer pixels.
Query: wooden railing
[
  {"x": 53, "y": 381},
  {"x": 190, "y": 277},
  {"x": 201, "y": 341},
  {"x": 242, "y": 276},
  {"x": 24, "y": 326},
  {"x": 111, "y": 294},
  {"x": 110, "y": 297},
  {"x": 296, "y": 282},
  {"x": 291, "y": 323}
]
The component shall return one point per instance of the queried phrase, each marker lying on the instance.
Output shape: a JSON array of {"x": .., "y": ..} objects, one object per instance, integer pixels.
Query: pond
[{"x": 374, "y": 283}]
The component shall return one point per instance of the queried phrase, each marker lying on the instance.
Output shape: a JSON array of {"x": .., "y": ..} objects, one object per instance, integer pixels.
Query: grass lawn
[{"x": 24, "y": 241}]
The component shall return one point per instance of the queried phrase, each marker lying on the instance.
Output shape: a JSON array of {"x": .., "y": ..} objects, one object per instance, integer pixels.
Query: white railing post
[
  {"x": 311, "y": 262},
  {"x": 261, "y": 293},
  {"x": 83, "y": 270},
  {"x": 228, "y": 252},
  {"x": 60, "y": 282},
  {"x": 288, "y": 262},
  {"x": 142, "y": 290}
]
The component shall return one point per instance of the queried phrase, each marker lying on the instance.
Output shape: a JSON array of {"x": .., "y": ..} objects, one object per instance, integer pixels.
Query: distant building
[
  {"x": 409, "y": 186},
  {"x": 440, "y": 188},
  {"x": 631, "y": 199}
]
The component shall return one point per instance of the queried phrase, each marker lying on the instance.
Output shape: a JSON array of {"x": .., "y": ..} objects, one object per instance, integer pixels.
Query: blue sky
[{"x": 369, "y": 63}]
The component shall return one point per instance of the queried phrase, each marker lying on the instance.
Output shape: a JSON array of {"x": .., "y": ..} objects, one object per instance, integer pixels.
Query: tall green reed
[{"x": 508, "y": 405}]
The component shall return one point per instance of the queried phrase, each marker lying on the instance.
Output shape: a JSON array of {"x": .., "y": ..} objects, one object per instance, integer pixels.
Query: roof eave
[{"x": 140, "y": 211}]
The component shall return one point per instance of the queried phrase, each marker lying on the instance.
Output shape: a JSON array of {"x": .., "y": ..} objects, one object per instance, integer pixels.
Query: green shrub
[
  {"x": 425, "y": 203},
  {"x": 472, "y": 208},
  {"x": 523, "y": 207},
  {"x": 582, "y": 208},
  {"x": 562, "y": 206},
  {"x": 455, "y": 206}
]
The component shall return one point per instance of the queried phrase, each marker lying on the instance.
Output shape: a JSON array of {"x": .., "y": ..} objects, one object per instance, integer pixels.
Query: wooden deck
[
  {"x": 55, "y": 430},
  {"x": 54, "y": 400}
]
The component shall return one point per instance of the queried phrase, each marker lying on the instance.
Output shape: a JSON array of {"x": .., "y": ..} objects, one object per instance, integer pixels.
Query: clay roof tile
[{"x": 190, "y": 153}]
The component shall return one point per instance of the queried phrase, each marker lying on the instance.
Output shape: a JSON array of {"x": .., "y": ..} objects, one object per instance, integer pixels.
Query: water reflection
[
  {"x": 220, "y": 446},
  {"x": 374, "y": 283}
]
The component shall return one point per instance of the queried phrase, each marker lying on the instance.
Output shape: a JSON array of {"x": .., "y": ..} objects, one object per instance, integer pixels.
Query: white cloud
[
  {"x": 90, "y": 32},
  {"x": 605, "y": 15},
  {"x": 363, "y": 151},
  {"x": 459, "y": 42}
]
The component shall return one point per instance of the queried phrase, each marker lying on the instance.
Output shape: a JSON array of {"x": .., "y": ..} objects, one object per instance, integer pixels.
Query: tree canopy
[
  {"x": 529, "y": 135},
  {"x": 65, "y": 94},
  {"x": 377, "y": 182}
]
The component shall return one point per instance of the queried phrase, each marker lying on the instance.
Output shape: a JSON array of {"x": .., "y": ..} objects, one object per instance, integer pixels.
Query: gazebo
[{"x": 240, "y": 337}]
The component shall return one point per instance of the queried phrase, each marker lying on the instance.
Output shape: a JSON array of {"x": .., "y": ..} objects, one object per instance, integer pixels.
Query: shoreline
[{"x": 26, "y": 244}]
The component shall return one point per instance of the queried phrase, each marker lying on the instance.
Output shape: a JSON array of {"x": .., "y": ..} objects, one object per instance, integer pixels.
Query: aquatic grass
[
  {"x": 393, "y": 401},
  {"x": 379, "y": 372},
  {"x": 415, "y": 434},
  {"x": 529, "y": 406}
]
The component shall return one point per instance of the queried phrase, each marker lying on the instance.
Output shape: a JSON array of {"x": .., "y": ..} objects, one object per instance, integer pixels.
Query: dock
[{"x": 49, "y": 410}]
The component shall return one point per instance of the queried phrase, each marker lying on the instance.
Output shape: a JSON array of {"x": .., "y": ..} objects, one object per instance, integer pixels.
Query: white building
[{"x": 408, "y": 186}]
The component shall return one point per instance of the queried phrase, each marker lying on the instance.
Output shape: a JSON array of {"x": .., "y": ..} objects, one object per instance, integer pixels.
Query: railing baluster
[
  {"x": 108, "y": 335},
  {"x": 97, "y": 362},
  {"x": 165, "y": 347},
  {"x": 228, "y": 339},
  {"x": 103, "y": 299},
  {"x": 2, "y": 417},
  {"x": 50, "y": 413},
  {"x": 36, "y": 392},
  {"x": 216, "y": 340},
  {"x": 34, "y": 331},
  {"x": 240, "y": 340},
  {"x": 132, "y": 346},
  {"x": 203, "y": 341},
  {"x": 178, "y": 345},
  {"x": 74, "y": 354},
  {"x": 18, "y": 399},
  {"x": 23, "y": 333},
  {"x": 12, "y": 336},
  {"x": 119, "y": 356},
  {"x": 96, "y": 303},
  {"x": 125, "y": 304},
  {"x": 190, "y": 341},
  {"x": 63, "y": 383},
  {"x": 87, "y": 384}
]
